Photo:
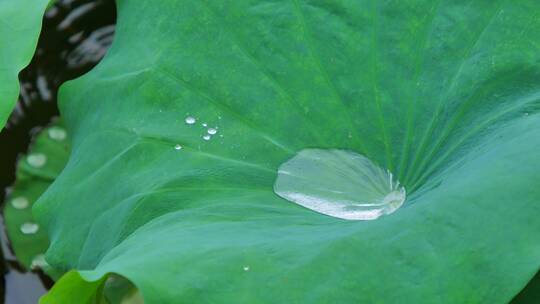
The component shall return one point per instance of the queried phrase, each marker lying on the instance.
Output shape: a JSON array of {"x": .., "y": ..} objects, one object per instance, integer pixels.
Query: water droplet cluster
[
  {"x": 29, "y": 228},
  {"x": 20, "y": 203},
  {"x": 209, "y": 131}
]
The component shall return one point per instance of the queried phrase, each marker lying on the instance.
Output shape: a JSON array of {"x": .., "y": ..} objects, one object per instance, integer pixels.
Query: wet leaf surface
[{"x": 443, "y": 94}]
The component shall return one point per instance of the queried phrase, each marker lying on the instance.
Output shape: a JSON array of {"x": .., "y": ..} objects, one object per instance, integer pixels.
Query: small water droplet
[
  {"x": 20, "y": 202},
  {"x": 339, "y": 183},
  {"x": 39, "y": 262},
  {"x": 206, "y": 137},
  {"x": 526, "y": 114},
  {"x": 205, "y": 125},
  {"x": 246, "y": 268},
  {"x": 190, "y": 120},
  {"x": 36, "y": 160},
  {"x": 57, "y": 133},
  {"x": 29, "y": 228},
  {"x": 212, "y": 131},
  {"x": 178, "y": 147}
]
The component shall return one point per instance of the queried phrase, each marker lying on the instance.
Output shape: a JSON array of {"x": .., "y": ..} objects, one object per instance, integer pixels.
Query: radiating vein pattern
[{"x": 289, "y": 113}]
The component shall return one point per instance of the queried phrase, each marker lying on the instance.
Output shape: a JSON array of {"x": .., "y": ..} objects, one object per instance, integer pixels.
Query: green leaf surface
[
  {"x": 20, "y": 24},
  {"x": 444, "y": 94},
  {"x": 35, "y": 172}
]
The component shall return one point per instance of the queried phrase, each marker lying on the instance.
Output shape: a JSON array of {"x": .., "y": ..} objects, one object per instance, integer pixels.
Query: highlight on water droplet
[
  {"x": 177, "y": 147},
  {"x": 190, "y": 120},
  {"x": 339, "y": 183},
  {"x": 246, "y": 268},
  {"x": 206, "y": 137},
  {"x": 36, "y": 160},
  {"x": 205, "y": 125},
  {"x": 29, "y": 228},
  {"x": 57, "y": 133},
  {"x": 20, "y": 202},
  {"x": 212, "y": 131}
]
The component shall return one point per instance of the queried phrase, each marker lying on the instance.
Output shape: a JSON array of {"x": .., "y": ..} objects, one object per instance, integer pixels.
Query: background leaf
[
  {"x": 20, "y": 24},
  {"x": 35, "y": 172}
]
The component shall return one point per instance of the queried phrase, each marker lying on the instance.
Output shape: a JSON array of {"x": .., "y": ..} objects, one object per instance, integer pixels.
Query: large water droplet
[
  {"x": 212, "y": 131},
  {"x": 37, "y": 160},
  {"x": 20, "y": 202},
  {"x": 206, "y": 137},
  {"x": 29, "y": 228},
  {"x": 178, "y": 147},
  {"x": 190, "y": 120},
  {"x": 339, "y": 183}
]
